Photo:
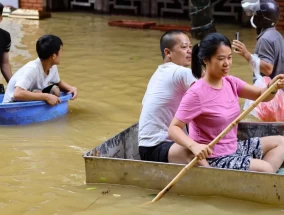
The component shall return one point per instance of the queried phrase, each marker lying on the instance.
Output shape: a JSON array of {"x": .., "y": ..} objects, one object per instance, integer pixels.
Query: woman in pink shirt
[{"x": 212, "y": 103}]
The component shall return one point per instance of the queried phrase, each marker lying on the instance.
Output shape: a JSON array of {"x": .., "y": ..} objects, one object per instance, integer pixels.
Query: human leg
[
  {"x": 273, "y": 150},
  {"x": 265, "y": 153},
  {"x": 253, "y": 149},
  {"x": 52, "y": 89},
  {"x": 240, "y": 162},
  {"x": 168, "y": 152},
  {"x": 260, "y": 166},
  {"x": 37, "y": 91},
  {"x": 158, "y": 153},
  {"x": 55, "y": 90}
]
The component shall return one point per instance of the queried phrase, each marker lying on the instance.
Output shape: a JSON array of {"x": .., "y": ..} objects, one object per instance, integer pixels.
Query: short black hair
[
  {"x": 1, "y": 8},
  {"x": 48, "y": 45},
  {"x": 168, "y": 41}
]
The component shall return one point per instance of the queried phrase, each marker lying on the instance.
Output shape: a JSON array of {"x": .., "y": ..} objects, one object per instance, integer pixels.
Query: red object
[
  {"x": 171, "y": 27},
  {"x": 273, "y": 110},
  {"x": 131, "y": 24}
]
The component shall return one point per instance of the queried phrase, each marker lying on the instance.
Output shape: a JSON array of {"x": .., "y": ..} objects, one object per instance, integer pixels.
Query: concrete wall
[{"x": 33, "y": 4}]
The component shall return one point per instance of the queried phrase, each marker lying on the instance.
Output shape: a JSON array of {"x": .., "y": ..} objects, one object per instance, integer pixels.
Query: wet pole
[{"x": 202, "y": 22}]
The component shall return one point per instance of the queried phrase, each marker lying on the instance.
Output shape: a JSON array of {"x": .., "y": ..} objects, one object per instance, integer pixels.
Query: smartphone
[{"x": 237, "y": 36}]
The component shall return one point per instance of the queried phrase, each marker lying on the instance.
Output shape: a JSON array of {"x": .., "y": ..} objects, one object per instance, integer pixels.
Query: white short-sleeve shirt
[
  {"x": 31, "y": 77},
  {"x": 160, "y": 103}
]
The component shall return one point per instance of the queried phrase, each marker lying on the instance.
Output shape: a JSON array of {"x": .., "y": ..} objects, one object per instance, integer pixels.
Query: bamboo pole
[{"x": 216, "y": 140}]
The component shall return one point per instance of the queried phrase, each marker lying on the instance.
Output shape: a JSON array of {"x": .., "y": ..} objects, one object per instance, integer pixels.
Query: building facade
[{"x": 231, "y": 9}]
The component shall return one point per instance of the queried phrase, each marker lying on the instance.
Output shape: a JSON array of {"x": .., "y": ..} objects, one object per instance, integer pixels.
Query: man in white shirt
[
  {"x": 161, "y": 100},
  {"x": 37, "y": 79}
]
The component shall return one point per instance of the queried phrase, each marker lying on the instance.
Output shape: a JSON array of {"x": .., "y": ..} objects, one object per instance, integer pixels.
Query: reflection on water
[{"x": 42, "y": 169}]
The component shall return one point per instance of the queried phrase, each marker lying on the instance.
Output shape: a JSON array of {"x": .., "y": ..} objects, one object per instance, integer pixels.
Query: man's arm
[
  {"x": 68, "y": 88},
  {"x": 240, "y": 48},
  {"x": 21, "y": 94},
  {"x": 265, "y": 68},
  {"x": 6, "y": 67}
]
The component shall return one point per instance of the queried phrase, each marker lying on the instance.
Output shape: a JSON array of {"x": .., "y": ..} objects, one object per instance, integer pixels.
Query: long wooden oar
[{"x": 216, "y": 140}]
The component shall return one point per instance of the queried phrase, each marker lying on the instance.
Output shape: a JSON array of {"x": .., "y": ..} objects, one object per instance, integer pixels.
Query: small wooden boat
[
  {"x": 20, "y": 113},
  {"x": 117, "y": 161},
  {"x": 131, "y": 24},
  {"x": 171, "y": 27}
]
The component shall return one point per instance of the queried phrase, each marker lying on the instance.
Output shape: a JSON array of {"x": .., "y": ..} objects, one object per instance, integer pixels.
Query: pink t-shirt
[{"x": 209, "y": 111}]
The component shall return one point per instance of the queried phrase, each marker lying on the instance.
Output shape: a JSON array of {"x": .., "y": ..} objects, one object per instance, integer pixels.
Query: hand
[
  {"x": 201, "y": 151},
  {"x": 73, "y": 90},
  {"x": 280, "y": 84},
  {"x": 52, "y": 99},
  {"x": 241, "y": 49}
]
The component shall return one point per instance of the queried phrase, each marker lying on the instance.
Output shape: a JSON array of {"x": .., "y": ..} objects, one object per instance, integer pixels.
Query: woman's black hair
[{"x": 205, "y": 50}]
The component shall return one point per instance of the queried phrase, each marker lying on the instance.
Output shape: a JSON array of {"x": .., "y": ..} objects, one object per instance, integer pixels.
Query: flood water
[{"x": 42, "y": 169}]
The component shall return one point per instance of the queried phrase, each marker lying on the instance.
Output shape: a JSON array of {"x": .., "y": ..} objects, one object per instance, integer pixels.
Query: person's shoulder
[
  {"x": 54, "y": 68},
  {"x": 32, "y": 65},
  {"x": 197, "y": 86},
  {"x": 28, "y": 69},
  {"x": 4, "y": 32},
  {"x": 168, "y": 69},
  {"x": 176, "y": 72},
  {"x": 183, "y": 69},
  {"x": 230, "y": 78},
  {"x": 168, "y": 66},
  {"x": 34, "y": 62},
  {"x": 5, "y": 35},
  {"x": 270, "y": 35},
  {"x": 233, "y": 80}
]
